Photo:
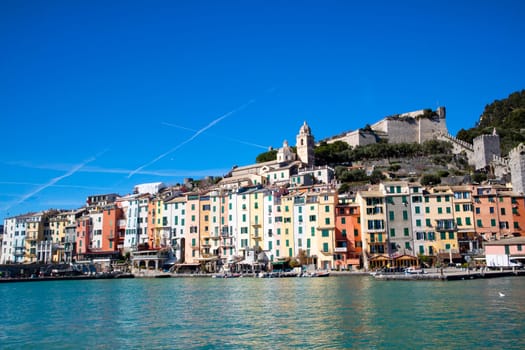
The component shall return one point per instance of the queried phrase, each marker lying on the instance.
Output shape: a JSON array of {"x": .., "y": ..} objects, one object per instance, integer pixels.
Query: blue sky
[{"x": 98, "y": 96}]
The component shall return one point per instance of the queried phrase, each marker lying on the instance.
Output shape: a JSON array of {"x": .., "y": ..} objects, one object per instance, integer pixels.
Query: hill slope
[{"x": 507, "y": 116}]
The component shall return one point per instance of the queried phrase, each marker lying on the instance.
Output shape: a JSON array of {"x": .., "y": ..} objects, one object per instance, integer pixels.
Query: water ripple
[{"x": 246, "y": 313}]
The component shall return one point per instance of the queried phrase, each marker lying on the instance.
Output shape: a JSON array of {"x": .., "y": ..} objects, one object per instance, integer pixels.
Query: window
[
  {"x": 405, "y": 215},
  {"x": 467, "y": 221},
  {"x": 417, "y": 210},
  {"x": 427, "y": 210},
  {"x": 407, "y": 245},
  {"x": 427, "y": 222},
  {"x": 327, "y": 208},
  {"x": 457, "y": 207},
  {"x": 325, "y": 233},
  {"x": 343, "y": 221},
  {"x": 405, "y": 232},
  {"x": 491, "y": 210},
  {"x": 391, "y": 215},
  {"x": 356, "y": 232},
  {"x": 477, "y": 210},
  {"x": 443, "y": 235},
  {"x": 451, "y": 235},
  {"x": 478, "y": 223},
  {"x": 312, "y": 218},
  {"x": 503, "y": 211},
  {"x": 343, "y": 233},
  {"x": 492, "y": 222},
  {"x": 458, "y": 222},
  {"x": 418, "y": 222},
  {"x": 392, "y": 232},
  {"x": 440, "y": 210},
  {"x": 327, "y": 221},
  {"x": 325, "y": 247},
  {"x": 312, "y": 231}
]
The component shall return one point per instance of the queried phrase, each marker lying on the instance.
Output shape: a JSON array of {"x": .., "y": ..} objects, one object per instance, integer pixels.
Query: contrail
[
  {"x": 191, "y": 138},
  {"x": 226, "y": 138},
  {"x": 53, "y": 181}
]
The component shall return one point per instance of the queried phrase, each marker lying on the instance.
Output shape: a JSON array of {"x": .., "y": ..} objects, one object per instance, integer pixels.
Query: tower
[
  {"x": 485, "y": 148},
  {"x": 305, "y": 145},
  {"x": 517, "y": 168}
]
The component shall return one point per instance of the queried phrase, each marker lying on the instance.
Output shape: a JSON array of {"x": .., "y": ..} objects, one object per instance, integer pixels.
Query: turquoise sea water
[{"x": 350, "y": 312}]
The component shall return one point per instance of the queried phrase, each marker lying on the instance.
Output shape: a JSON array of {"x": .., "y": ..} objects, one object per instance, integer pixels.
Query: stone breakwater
[{"x": 448, "y": 275}]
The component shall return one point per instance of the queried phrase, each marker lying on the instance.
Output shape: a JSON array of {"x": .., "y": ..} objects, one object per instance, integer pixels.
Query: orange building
[
  {"x": 83, "y": 236},
  {"x": 518, "y": 215},
  {"x": 348, "y": 244},
  {"x": 111, "y": 232}
]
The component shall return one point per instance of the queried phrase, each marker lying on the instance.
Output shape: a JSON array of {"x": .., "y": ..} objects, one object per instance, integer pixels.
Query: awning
[{"x": 406, "y": 258}]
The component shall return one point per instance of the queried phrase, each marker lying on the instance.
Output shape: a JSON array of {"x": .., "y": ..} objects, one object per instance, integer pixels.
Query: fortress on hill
[
  {"x": 411, "y": 127},
  {"x": 424, "y": 125}
]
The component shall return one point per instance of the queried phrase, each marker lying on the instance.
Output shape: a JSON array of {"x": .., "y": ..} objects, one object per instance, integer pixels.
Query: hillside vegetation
[{"x": 507, "y": 116}]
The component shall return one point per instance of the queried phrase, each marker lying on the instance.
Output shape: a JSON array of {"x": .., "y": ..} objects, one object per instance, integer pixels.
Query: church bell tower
[{"x": 305, "y": 145}]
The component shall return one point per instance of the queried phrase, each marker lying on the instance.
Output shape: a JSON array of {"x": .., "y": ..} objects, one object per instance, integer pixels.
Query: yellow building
[
  {"x": 373, "y": 229},
  {"x": 256, "y": 219},
  {"x": 463, "y": 208},
  {"x": 192, "y": 228},
  {"x": 325, "y": 235},
  {"x": 440, "y": 217}
]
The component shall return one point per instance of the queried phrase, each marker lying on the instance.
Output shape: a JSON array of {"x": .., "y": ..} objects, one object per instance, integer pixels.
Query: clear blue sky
[{"x": 97, "y": 96}]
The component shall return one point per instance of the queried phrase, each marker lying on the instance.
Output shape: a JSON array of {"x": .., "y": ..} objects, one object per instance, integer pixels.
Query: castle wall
[
  {"x": 430, "y": 128},
  {"x": 517, "y": 168},
  {"x": 409, "y": 127},
  {"x": 355, "y": 138},
  {"x": 402, "y": 130}
]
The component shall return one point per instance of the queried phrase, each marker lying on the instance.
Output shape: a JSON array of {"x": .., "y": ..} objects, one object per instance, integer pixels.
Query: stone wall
[
  {"x": 412, "y": 127},
  {"x": 485, "y": 148},
  {"x": 517, "y": 168}
]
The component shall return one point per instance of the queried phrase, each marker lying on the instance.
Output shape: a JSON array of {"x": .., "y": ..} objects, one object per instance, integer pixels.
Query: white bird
[{"x": 501, "y": 294}]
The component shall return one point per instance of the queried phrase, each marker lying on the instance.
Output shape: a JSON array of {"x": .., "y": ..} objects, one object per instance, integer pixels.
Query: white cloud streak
[
  {"x": 52, "y": 182},
  {"x": 99, "y": 170},
  {"x": 226, "y": 138},
  {"x": 197, "y": 133}
]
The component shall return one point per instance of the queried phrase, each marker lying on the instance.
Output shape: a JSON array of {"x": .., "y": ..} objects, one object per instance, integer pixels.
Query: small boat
[{"x": 320, "y": 274}]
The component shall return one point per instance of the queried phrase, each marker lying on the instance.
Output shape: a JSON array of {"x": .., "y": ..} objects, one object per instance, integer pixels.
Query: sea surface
[{"x": 344, "y": 312}]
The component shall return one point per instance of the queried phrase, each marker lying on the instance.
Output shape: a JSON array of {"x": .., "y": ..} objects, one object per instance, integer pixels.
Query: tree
[
  {"x": 266, "y": 156},
  {"x": 507, "y": 116},
  {"x": 430, "y": 179}
]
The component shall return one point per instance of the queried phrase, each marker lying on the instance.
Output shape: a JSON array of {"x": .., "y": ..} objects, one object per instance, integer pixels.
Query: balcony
[
  {"x": 446, "y": 227},
  {"x": 256, "y": 237}
]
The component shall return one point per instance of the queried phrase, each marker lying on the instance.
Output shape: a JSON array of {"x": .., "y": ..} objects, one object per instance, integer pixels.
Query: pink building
[{"x": 505, "y": 252}]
